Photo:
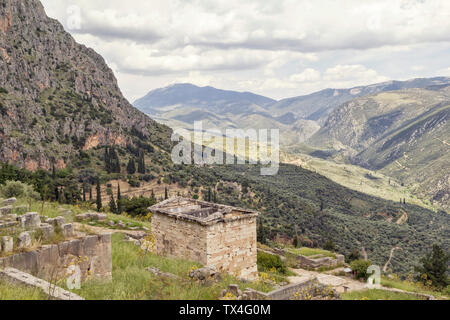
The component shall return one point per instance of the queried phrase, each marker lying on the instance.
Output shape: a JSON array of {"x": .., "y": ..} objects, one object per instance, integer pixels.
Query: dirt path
[
  {"x": 404, "y": 218},
  {"x": 390, "y": 258}
]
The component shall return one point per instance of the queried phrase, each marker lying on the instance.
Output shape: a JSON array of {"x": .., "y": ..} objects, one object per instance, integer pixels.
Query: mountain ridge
[{"x": 61, "y": 85}]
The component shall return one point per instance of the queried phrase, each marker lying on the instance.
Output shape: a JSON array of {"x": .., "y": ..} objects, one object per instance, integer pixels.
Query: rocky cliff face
[{"x": 58, "y": 97}]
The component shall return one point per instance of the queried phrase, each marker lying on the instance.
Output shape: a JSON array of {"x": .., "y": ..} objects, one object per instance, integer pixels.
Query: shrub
[
  {"x": 267, "y": 262},
  {"x": 360, "y": 268},
  {"x": 329, "y": 245},
  {"x": 136, "y": 206},
  {"x": 434, "y": 268},
  {"x": 19, "y": 190}
]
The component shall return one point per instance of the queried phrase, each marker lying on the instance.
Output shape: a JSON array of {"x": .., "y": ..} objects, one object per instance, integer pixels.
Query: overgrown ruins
[{"x": 208, "y": 233}]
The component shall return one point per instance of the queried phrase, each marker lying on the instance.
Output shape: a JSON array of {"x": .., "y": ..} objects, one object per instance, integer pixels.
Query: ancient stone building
[{"x": 208, "y": 233}]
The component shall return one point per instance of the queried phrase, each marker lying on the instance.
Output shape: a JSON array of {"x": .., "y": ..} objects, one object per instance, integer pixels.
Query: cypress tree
[
  {"x": 131, "y": 167},
  {"x": 90, "y": 192},
  {"x": 166, "y": 193},
  {"x": 112, "y": 205},
  {"x": 99, "y": 196},
  {"x": 119, "y": 197},
  {"x": 153, "y": 195},
  {"x": 57, "y": 194},
  {"x": 114, "y": 161},
  {"x": 434, "y": 267},
  {"x": 107, "y": 160},
  {"x": 84, "y": 192},
  {"x": 141, "y": 162}
]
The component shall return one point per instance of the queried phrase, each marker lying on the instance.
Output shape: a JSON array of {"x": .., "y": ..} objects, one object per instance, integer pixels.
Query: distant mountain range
[
  {"x": 399, "y": 127},
  {"x": 297, "y": 118},
  {"x": 404, "y": 134}
]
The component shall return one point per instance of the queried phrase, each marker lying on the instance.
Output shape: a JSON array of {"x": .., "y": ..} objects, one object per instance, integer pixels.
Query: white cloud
[
  {"x": 280, "y": 43},
  {"x": 308, "y": 75},
  {"x": 351, "y": 75},
  {"x": 445, "y": 72}
]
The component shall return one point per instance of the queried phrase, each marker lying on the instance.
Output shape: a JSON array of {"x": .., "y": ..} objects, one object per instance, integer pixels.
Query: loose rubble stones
[
  {"x": 47, "y": 231},
  {"x": 92, "y": 216},
  {"x": 5, "y": 210},
  {"x": 68, "y": 230},
  {"x": 30, "y": 220},
  {"x": 202, "y": 274},
  {"x": 9, "y": 201},
  {"x": 24, "y": 240},
  {"x": 6, "y": 244}
]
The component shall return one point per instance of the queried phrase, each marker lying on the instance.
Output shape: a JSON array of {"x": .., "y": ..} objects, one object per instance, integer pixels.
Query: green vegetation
[
  {"x": 136, "y": 206},
  {"x": 360, "y": 268},
  {"x": 18, "y": 292},
  {"x": 270, "y": 262},
  {"x": 417, "y": 287},
  {"x": 308, "y": 252},
  {"x": 132, "y": 282},
  {"x": 377, "y": 294},
  {"x": 373, "y": 183},
  {"x": 18, "y": 189},
  {"x": 435, "y": 268},
  {"x": 295, "y": 203}
]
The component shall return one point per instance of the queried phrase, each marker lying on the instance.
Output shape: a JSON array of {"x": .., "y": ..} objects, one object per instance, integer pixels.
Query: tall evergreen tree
[
  {"x": 90, "y": 192},
  {"x": 115, "y": 161},
  {"x": 141, "y": 162},
  {"x": 119, "y": 197},
  {"x": 112, "y": 205},
  {"x": 57, "y": 193},
  {"x": 295, "y": 243},
  {"x": 99, "y": 196},
  {"x": 107, "y": 160},
  {"x": 261, "y": 233},
  {"x": 131, "y": 167},
  {"x": 166, "y": 193},
  {"x": 84, "y": 192},
  {"x": 153, "y": 195},
  {"x": 434, "y": 267}
]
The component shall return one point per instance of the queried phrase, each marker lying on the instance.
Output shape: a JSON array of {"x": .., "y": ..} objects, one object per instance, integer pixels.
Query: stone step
[{"x": 17, "y": 276}]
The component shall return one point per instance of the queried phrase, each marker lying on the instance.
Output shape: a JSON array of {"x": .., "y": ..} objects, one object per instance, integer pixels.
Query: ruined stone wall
[
  {"x": 50, "y": 262},
  {"x": 179, "y": 238},
  {"x": 232, "y": 247}
]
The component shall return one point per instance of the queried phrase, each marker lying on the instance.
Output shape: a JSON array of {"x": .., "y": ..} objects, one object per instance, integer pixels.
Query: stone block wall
[
  {"x": 228, "y": 245},
  {"x": 179, "y": 238},
  {"x": 232, "y": 247},
  {"x": 50, "y": 262}
]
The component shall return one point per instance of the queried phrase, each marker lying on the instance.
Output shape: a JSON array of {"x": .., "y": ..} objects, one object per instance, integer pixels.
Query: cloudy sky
[{"x": 278, "y": 48}]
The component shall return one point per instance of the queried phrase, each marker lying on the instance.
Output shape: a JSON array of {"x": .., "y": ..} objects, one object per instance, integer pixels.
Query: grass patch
[
  {"x": 132, "y": 282},
  {"x": 413, "y": 287},
  {"x": 10, "y": 291},
  {"x": 308, "y": 252},
  {"x": 377, "y": 294}
]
